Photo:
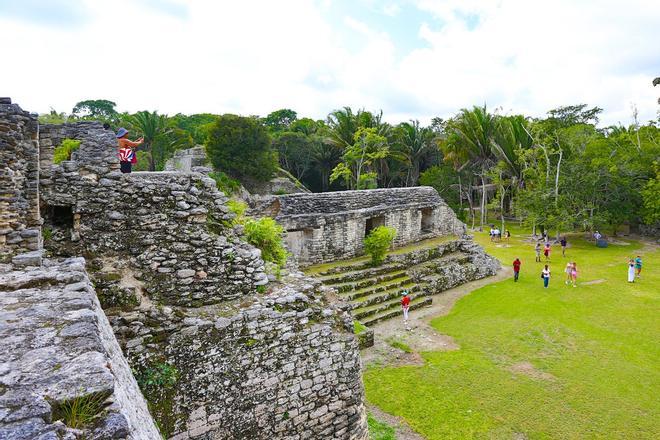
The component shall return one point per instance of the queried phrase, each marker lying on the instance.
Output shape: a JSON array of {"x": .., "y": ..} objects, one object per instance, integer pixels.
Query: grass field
[{"x": 560, "y": 363}]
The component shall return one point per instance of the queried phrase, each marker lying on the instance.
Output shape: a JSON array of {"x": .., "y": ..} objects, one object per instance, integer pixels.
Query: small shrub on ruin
[
  {"x": 63, "y": 152},
  {"x": 267, "y": 235},
  {"x": 378, "y": 242},
  {"x": 238, "y": 209}
]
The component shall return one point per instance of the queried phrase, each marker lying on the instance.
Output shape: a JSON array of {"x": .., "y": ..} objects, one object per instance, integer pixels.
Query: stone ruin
[
  {"x": 108, "y": 281},
  {"x": 332, "y": 226},
  {"x": 136, "y": 293}
]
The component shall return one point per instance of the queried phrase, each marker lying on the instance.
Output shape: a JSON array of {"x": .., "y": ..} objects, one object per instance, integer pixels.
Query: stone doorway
[
  {"x": 372, "y": 223},
  {"x": 426, "y": 220}
]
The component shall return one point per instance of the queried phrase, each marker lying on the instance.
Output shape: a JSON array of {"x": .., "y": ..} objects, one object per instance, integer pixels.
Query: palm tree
[
  {"x": 471, "y": 136},
  {"x": 342, "y": 126},
  {"x": 415, "y": 143},
  {"x": 151, "y": 124},
  {"x": 325, "y": 156}
]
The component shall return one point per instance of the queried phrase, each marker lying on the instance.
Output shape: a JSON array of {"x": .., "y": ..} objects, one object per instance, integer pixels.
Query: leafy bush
[
  {"x": 242, "y": 147},
  {"x": 225, "y": 183},
  {"x": 266, "y": 234},
  {"x": 378, "y": 242},
  {"x": 63, "y": 152},
  {"x": 358, "y": 327},
  {"x": 237, "y": 207}
]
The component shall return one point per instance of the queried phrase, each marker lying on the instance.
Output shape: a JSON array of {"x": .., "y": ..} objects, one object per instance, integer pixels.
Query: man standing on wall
[
  {"x": 516, "y": 269},
  {"x": 405, "y": 305}
]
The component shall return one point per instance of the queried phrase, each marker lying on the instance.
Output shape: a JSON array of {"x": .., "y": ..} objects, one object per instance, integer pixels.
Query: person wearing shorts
[
  {"x": 574, "y": 274},
  {"x": 537, "y": 249},
  {"x": 638, "y": 266}
]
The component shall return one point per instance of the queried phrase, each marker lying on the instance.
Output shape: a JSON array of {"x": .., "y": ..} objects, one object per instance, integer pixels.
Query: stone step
[
  {"x": 356, "y": 290},
  {"x": 393, "y": 312},
  {"x": 368, "y": 272},
  {"x": 384, "y": 295},
  {"x": 362, "y": 313}
]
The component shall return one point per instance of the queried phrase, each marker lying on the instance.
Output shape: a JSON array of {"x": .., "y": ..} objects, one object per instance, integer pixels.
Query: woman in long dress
[{"x": 631, "y": 271}]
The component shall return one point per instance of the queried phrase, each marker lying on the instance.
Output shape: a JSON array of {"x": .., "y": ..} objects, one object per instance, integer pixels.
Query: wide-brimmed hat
[{"x": 122, "y": 132}]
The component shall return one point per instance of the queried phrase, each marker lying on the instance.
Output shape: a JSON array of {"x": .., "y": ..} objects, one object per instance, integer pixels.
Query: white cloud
[{"x": 252, "y": 57}]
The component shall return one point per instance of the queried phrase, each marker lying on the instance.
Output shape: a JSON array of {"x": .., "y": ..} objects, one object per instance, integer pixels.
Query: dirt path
[{"x": 420, "y": 337}]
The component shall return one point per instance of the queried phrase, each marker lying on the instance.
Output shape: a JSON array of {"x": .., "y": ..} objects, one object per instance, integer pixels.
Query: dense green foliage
[
  {"x": 225, "y": 183},
  {"x": 64, "y": 150},
  {"x": 242, "y": 147},
  {"x": 266, "y": 234},
  {"x": 559, "y": 172},
  {"x": 561, "y": 362},
  {"x": 377, "y": 243}
]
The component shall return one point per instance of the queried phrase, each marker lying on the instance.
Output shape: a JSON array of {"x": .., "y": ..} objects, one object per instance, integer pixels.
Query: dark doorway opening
[
  {"x": 426, "y": 222},
  {"x": 373, "y": 223},
  {"x": 60, "y": 216}
]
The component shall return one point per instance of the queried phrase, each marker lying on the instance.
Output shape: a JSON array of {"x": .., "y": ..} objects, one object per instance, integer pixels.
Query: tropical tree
[
  {"x": 241, "y": 147},
  {"x": 280, "y": 120},
  {"x": 356, "y": 166},
  {"x": 98, "y": 109},
  {"x": 151, "y": 125},
  {"x": 469, "y": 142},
  {"x": 342, "y": 126},
  {"x": 415, "y": 143}
]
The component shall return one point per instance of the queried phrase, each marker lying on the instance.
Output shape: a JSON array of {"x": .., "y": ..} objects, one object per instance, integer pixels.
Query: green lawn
[{"x": 592, "y": 355}]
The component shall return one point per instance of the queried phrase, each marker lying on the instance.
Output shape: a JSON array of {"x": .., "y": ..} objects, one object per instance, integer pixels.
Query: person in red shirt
[
  {"x": 405, "y": 305},
  {"x": 516, "y": 269}
]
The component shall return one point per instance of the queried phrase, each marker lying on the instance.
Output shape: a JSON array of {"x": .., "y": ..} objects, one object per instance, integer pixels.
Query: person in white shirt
[{"x": 545, "y": 274}]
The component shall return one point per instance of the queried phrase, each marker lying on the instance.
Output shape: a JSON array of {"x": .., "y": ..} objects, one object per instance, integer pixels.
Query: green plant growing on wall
[
  {"x": 238, "y": 209},
  {"x": 157, "y": 383},
  {"x": 47, "y": 233},
  {"x": 80, "y": 411},
  {"x": 225, "y": 183},
  {"x": 378, "y": 242},
  {"x": 158, "y": 375},
  {"x": 64, "y": 150},
  {"x": 266, "y": 234}
]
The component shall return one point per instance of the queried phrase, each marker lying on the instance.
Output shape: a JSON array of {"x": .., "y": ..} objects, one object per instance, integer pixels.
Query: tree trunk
[{"x": 483, "y": 202}]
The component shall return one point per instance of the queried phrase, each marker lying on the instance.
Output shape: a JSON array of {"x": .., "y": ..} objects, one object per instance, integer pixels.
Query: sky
[{"x": 412, "y": 59}]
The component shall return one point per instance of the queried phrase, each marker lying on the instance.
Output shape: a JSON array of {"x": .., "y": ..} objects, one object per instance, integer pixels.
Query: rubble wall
[{"x": 20, "y": 221}]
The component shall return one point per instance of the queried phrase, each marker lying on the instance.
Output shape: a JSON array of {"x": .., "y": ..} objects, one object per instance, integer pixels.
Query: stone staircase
[{"x": 424, "y": 269}]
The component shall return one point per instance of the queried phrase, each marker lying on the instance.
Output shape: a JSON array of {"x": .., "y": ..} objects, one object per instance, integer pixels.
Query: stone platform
[{"x": 58, "y": 350}]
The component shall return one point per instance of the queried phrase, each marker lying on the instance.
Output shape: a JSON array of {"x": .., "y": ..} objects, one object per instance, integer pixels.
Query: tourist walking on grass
[
  {"x": 127, "y": 147},
  {"x": 574, "y": 274},
  {"x": 545, "y": 274},
  {"x": 537, "y": 249},
  {"x": 638, "y": 266},
  {"x": 507, "y": 235},
  {"x": 405, "y": 305},
  {"x": 563, "y": 244},
  {"x": 516, "y": 269},
  {"x": 546, "y": 251},
  {"x": 631, "y": 271},
  {"x": 569, "y": 273}
]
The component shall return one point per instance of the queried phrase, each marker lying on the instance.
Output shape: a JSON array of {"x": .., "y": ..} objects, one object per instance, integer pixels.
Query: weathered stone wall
[
  {"x": 97, "y": 153},
  {"x": 282, "y": 365},
  {"x": 332, "y": 226},
  {"x": 58, "y": 347},
  {"x": 20, "y": 221},
  {"x": 171, "y": 225}
]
